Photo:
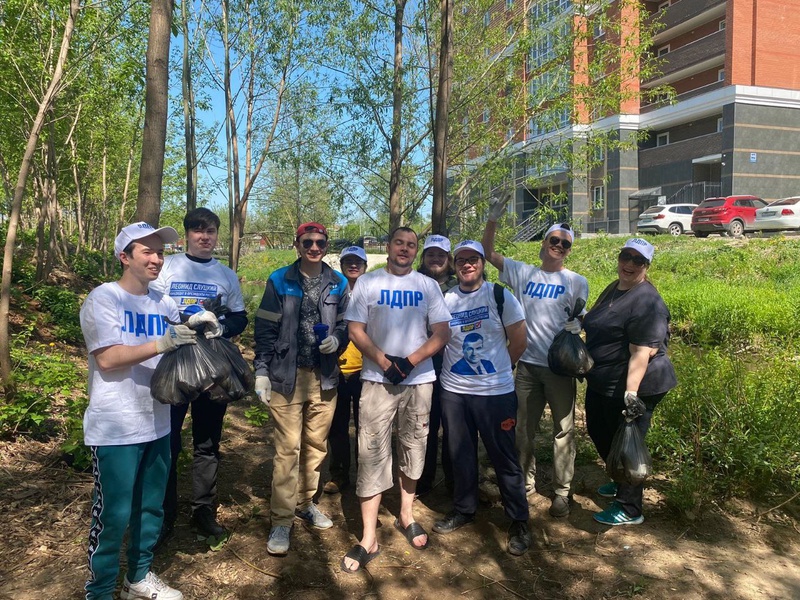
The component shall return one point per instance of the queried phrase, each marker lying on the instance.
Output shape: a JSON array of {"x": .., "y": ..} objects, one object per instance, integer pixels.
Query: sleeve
[
  {"x": 267, "y": 327},
  {"x": 507, "y": 275},
  {"x": 512, "y": 309},
  {"x": 582, "y": 291},
  {"x": 235, "y": 300},
  {"x": 648, "y": 324},
  {"x": 234, "y": 323},
  {"x": 357, "y": 309},
  {"x": 100, "y": 321},
  {"x": 437, "y": 309},
  {"x": 340, "y": 331}
]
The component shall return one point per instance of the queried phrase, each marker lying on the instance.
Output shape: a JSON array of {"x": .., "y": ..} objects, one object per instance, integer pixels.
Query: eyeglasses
[
  {"x": 321, "y": 244},
  {"x": 473, "y": 260},
  {"x": 555, "y": 240},
  {"x": 636, "y": 259}
]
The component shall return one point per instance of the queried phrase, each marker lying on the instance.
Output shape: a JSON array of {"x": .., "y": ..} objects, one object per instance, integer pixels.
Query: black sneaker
[
  {"x": 205, "y": 522},
  {"x": 452, "y": 521},
  {"x": 519, "y": 538}
]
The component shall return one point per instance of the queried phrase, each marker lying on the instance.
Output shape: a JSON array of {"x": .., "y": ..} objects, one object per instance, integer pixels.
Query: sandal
[
  {"x": 359, "y": 553},
  {"x": 413, "y": 530}
]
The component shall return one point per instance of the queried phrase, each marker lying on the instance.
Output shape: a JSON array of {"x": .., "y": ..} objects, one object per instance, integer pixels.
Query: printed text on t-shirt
[
  {"x": 400, "y": 298},
  {"x": 542, "y": 290},
  {"x": 144, "y": 324}
]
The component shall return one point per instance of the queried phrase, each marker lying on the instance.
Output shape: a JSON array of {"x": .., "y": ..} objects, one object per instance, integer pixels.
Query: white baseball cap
[
  {"x": 469, "y": 245},
  {"x": 136, "y": 231},
  {"x": 354, "y": 251},
  {"x": 437, "y": 241},
  {"x": 562, "y": 228},
  {"x": 643, "y": 247}
]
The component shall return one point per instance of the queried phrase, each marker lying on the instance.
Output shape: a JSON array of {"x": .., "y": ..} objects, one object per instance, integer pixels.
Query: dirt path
[{"x": 45, "y": 518}]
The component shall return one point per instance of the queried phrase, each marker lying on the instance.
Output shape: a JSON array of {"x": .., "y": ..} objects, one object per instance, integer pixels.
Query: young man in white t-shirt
[
  {"x": 478, "y": 394},
  {"x": 548, "y": 294},
  {"x": 125, "y": 327},
  {"x": 189, "y": 279},
  {"x": 389, "y": 316}
]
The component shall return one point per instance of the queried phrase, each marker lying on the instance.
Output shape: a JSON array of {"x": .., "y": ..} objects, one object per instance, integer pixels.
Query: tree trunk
[
  {"x": 188, "y": 115},
  {"x": 395, "y": 202},
  {"x": 154, "y": 139},
  {"x": 440, "y": 122},
  {"x": 19, "y": 191}
]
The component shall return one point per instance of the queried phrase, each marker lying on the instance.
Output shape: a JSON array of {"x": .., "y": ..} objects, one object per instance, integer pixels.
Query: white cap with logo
[
  {"x": 136, "y": 231},
  {"x": 561, "y": 228},
  {"x": 643, "y": 247},
  {"x": 469, "y": 245},
  {"x": 354, "y": 251},
  {"x": 437, "y": 241}
]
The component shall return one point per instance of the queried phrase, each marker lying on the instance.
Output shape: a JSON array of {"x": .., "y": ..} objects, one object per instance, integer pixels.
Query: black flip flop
[
  {"x": 359, "y": 553},
  {"x": 413, "y": 530}
]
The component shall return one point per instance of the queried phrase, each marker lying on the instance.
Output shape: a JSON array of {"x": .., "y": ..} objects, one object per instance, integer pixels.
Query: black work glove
[
  {"x": 634, "y": 407},
  {"x": 399, "y": 369}
]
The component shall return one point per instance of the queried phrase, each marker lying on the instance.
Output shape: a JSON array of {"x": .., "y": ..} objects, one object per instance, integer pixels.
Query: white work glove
[
  {"x": 208, "y": 321},
  {"x": 573, "y": 326},
  {"x": 177, "y": 335},
  {"x": 263, "y": 389},
  {"x": 634, "y": 407},
  {"x": 329, "y": 345},
  {"x": 497, "y": 206}
]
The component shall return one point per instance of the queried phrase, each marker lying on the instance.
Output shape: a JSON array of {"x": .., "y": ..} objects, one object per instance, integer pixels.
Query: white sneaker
[
  {"x": 314, "y": 516},
  {"x": 149, "y": 588}
]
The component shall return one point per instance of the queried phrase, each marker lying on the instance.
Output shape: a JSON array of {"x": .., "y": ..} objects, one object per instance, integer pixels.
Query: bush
[{"x": 63, "y": 311}]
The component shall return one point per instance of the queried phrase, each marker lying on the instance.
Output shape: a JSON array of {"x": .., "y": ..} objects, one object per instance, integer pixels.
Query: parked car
[
  {"x": 781, "y": 214},
  {"x": 673, "y": 219},
  {"x": 732, "y": 215},
  {"x": 366, "y": 241}
]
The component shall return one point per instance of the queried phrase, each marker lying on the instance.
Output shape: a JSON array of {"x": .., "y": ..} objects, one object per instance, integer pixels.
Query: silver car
[
  {"x": 673, "y": 219},
  {"x": 781, "y": 214}
]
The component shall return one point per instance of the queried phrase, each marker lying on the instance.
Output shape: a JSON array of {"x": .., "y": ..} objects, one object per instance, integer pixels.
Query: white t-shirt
[
  {"x": 397, "y": 311},
  {"x": 121, "y": 410},
  {"x": 189, "y": 282},
  {"x": 546, "y": 298},
  {"x": 476, "y": 359}
]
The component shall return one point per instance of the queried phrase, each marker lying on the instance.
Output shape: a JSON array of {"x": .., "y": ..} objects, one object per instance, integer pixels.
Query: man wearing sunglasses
[
  {"x": 547, "y": 294},
  {"x": 303, "y": 372}
]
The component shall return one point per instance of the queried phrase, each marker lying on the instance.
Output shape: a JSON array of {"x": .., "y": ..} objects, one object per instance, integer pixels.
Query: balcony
[
  {"x": 684, "y": 15},
  {"x": 645, "y": 108},
  {"x": 691, "y": 58}
]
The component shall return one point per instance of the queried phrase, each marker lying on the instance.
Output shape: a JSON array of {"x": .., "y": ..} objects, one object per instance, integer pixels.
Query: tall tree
[
  {"x": 441, "y": 119},
  {"x": 45, "y": 104},
  {"x": 154, "y": 139}
]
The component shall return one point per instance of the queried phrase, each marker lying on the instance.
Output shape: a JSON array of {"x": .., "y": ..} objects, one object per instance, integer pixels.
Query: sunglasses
[
  {"x": 636, "y": 259},
  {"x": 321, "y": 244},
  {"x": 473, "y": 260},
  {"x": 555, "y": 241}
]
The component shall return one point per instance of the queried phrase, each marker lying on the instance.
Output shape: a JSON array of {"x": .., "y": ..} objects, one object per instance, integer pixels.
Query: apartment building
[{"x": 734, "y": 128}]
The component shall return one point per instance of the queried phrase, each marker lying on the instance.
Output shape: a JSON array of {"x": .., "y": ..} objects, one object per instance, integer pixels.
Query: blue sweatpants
[{"x": 129, "y": 484}]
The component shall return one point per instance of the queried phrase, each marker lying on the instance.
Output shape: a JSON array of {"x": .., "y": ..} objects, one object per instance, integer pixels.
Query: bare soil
[{"x": 736, "y": 552}]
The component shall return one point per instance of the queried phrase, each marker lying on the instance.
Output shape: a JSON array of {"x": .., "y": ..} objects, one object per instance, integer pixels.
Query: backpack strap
[{"x": 499, "y": 298}]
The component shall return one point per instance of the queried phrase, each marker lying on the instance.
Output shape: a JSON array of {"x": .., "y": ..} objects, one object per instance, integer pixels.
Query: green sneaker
[
  {"x": 615, "y": 515},
  {"x": 608, "y": 490}
]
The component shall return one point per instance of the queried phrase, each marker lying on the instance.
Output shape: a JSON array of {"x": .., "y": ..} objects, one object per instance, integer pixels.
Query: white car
[
  {"x": 781, "y": 214},
  {"x": 673, "y": 219}
]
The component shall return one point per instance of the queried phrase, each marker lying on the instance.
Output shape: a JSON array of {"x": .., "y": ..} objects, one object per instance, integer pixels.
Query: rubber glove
[
  {"x": 263, "y": 389},
  {"x": 329, "y": 345},
  {"x": 176, "y": 335},
  {"x": 573, "y": 326},
  {"x": 206, "y": 320}
]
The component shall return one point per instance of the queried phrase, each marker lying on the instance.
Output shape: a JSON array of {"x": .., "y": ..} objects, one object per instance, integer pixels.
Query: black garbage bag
[
  {"x": 188, "y": 371},
  {"x": 241, "y": 382},
  {"x": 629, "y": 460},
  {"x": 568, "y": 354}
]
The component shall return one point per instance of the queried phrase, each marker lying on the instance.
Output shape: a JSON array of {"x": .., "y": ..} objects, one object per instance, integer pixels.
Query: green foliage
[
  {"x": 88, "y": 265},
  {"x": 62, "y": 308},
  {"x": 79, "y": 456},
  {"x": 257, "y": 415}
]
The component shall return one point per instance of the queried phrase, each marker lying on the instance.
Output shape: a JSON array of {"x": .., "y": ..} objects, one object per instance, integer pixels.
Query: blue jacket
[{"x": 278, "y": 321}]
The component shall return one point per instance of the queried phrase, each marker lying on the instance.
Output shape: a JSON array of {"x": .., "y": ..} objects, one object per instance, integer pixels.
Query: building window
[
  {"x": 598, "y": 29},
  {"x": 722, "y": 25},
  {"x": 487, "y": 18},
  {"x": 719, "y": 125},
  {"x": 664, "y": 5},
  {"x": 721, "y": 75},
  {"x": 662, "y": 139},
  {"x": 663, "y": 50},
  {"x": 598, "y": 197},
  {"x": 509, "y": 4}
]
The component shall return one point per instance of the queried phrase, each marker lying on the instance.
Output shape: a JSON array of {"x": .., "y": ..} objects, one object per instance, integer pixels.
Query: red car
[{"x": 732, "y": 215}]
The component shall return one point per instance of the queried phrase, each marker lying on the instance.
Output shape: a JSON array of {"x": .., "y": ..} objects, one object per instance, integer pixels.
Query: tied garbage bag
[
  {"x": 629, "y": 460},
  {"x": 188, "y": 371},
  {"x": 241, "y": 381},
  {"x": 568, "y": 354}
]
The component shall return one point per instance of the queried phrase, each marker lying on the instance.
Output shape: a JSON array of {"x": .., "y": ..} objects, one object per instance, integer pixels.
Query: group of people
[{"x": 400, "y": 348}]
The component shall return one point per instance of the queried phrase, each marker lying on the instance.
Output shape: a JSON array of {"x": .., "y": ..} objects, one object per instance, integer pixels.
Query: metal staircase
[
  {"x": 534, "y": 225},
  {"x": 695, "y": 193}
]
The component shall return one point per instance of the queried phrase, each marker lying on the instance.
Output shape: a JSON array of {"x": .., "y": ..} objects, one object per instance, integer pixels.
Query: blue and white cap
[
  {"x": 643, "y": 247},
  {"x": 437, "y": 241},
  {"x": 469, "y": 245},
  {"x": 136, "y": 231},
  {"x": 354, "y": 251}
]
